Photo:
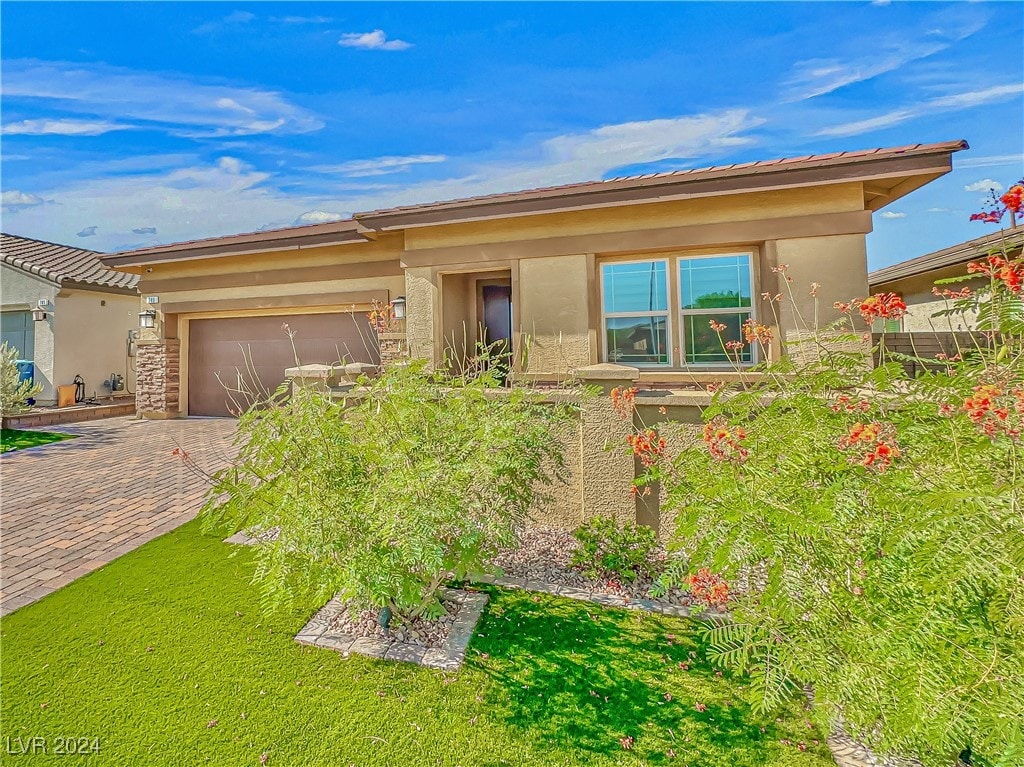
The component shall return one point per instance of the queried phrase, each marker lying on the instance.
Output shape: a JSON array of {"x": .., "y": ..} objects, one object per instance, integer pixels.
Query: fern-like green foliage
[
  {"x": 14, "y": 393},
  {"x": 385, "y": 496},
  {"x": 895, "y": 590}
]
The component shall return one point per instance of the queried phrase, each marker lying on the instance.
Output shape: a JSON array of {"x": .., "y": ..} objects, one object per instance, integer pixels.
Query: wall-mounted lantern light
[
  {"x": 147, "y": 319},
  {"x": 39, "y": 312},
  {"x": 398, "y": 305}
]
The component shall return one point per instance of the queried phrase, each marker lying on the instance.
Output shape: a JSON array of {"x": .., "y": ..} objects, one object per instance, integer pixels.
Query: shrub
[
  {"x": 883, "y": 518},
  {"x": 14, "y": 392},
  {"x": 406, "y": 484},
  {"x": 608, "y": 550}
]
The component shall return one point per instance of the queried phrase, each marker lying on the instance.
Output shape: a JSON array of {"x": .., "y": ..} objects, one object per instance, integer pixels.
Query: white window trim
[
  {"x": 667, "y": 313},
  {"x": 755, "y": 353},
  {"x": 673, "y": 287}
]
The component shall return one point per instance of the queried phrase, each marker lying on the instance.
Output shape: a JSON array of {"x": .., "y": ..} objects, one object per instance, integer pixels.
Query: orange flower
[
  {"x": 888, "y": 306},
  {"x": 647, "y": 446},
  {"x": 876, "y": 440},
  {"x": 755, "y": 331},
  {"x": 725, "y": 443}
]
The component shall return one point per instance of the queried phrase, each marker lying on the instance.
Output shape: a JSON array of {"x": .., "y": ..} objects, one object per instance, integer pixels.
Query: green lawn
[
  {"x": 165, "y": 657},
  {"x": 17, "y": 439}
]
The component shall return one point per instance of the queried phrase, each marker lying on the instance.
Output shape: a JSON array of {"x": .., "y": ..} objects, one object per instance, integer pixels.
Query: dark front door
[{"x": 497, "y": 326}]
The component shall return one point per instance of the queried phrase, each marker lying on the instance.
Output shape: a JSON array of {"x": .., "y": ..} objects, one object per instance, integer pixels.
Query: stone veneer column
[
  {"x": 393, "y": 347},
  {"x": 157, "y": 378},
  {"x": 607, "y": 468}
]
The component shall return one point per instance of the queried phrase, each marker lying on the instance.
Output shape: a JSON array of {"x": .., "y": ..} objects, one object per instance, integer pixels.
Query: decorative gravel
[
  {"x": 544, "y": 555},
  {"x": 420, "y": 632}
]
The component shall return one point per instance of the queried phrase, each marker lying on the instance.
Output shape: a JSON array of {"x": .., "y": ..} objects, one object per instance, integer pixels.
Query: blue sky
[{"x": 130, "y": 124}]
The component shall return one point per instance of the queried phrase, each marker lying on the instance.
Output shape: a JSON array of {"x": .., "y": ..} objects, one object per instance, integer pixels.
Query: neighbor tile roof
[
  {"x": 960, "y": 253},
  {"x": 61, "y": 263}
]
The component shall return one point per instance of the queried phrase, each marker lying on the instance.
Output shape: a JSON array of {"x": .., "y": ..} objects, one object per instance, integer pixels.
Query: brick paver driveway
[{"x": 69, "y": 507}]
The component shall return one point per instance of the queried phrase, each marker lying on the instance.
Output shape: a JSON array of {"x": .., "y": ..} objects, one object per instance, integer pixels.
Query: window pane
[
  {"x": 635, "y": 287},
  {"x": 701, "y": 345},
  {"x": 637, "y": 340},
  {"x": 715, "y": 282}
]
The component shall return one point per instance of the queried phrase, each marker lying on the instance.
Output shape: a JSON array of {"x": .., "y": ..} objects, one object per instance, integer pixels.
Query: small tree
[
  {"x": 385, "y": 496},
  {"x": 880, "y": 521},
  {"x": 14, "y": 392}
]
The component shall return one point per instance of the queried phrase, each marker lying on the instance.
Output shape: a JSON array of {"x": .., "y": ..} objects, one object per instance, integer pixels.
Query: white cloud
[
  {"x": 372, "y": 41},
  {"x": 893, "y": 214},
  {"x": 144, "y": 230},
  {"x": 984, "y": 185},
  {"x": 993, "y": 160},
  {"x": 234, "y": 18},
  {"x": 62, "y": 127},
  {"x": 320, "y": 217},
  {"x": 14, "y": 199},
  {"x": 931, "y": 106},
  {"x": 229, "y": 196},
  {"x": 977, "y": 98},
  {"x": 886, "y": 52},
  {"x": 178, "y": 104},
  {"x": 89, "y": 231},
  {"x": 379, "y": 166},
  {"x": 302, "y": 19},
  {"x": 940, "y": 210}
]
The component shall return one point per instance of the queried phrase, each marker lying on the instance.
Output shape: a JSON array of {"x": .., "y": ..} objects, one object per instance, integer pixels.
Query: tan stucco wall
[
  {"x": 837, "y": 263},
  {"x": 553, "y": 319},
  {"x": 922, "y": 303},
  {"x": 742, "y": 207},
  {"x": 21, "y": 292},
  {"x": 91, "y": 339}
]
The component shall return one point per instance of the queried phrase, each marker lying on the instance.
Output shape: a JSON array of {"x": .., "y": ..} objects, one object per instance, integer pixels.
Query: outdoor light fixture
[
  {"x": 39, "y": 314},
  {"x": 399, "y": 307},
  {"x": 147, "y": 319}
]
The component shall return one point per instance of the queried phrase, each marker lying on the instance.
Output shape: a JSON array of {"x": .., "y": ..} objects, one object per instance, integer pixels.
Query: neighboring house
[
  {"x": 89, "y": 311},
  {"x": 914, "y": 279},
  {"x": 629, "y": 270}
]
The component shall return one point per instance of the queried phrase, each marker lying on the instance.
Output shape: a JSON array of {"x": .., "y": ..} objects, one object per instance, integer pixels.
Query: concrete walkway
[{"x": 70, "y": 507}]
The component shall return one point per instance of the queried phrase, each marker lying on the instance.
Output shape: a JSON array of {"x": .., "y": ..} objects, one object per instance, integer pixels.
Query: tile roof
[
  {"x": 714, "y": 171},
  {"x": 960, "y": 253},
  {"x": 841, "y": 166},
  {"x": 61, "y": 263}
]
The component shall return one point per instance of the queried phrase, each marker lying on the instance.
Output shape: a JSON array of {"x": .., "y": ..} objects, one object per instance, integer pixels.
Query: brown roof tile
[
  {"x": 61, "y": 263},
  {"x": 545, "y": 199}
]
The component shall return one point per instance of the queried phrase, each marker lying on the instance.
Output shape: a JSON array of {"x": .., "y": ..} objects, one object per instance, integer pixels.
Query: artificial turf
[
  {"x": 164, "y": 657},
  {"x": 18, "y": 439}
]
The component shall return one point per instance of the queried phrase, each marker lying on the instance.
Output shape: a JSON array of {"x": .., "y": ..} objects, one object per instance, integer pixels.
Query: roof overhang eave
[
  {"x": 909, "y": 172},
  {"x": 300, "y": 242}
]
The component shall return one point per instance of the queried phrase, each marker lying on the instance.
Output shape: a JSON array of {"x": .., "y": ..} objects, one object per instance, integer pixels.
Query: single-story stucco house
[
  {"x": 914, "y": 279},
  {"x": 628, "y": 270},
  {"x": 86, "y": 313}
]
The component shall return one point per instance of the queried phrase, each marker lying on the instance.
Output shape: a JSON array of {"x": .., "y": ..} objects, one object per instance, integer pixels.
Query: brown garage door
[{"x": 218, "y": 349}]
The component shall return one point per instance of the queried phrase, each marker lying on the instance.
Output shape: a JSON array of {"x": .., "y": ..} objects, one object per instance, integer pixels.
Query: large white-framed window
[
  {"x": 646, "y": 303},
  {"x": 715, "y": 288},
  {"x": 635, "y": 313}
]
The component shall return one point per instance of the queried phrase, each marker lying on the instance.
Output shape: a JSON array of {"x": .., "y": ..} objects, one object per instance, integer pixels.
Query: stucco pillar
[
  {"x": 158, "y": 365},
  {"x": 422, "y": 307},
  {"x": 606, "y": 466}
]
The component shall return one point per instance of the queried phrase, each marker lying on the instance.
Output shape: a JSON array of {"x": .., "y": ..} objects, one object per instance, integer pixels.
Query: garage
[{"x": 231, "y": 358}]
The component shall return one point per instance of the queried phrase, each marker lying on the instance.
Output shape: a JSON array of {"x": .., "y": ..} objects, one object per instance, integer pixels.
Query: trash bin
[{"x": 26, "y": 372}]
